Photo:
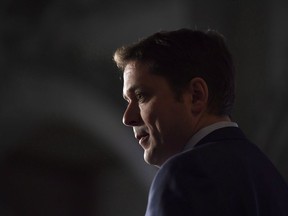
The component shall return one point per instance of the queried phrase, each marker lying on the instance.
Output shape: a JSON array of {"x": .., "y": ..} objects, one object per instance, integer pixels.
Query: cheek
[
  {"x": 148, "y": 111},
  {"x": 162, "y": 119},
  {"x": 149, "y": 115},
  {"x": 158, "y": 121},
  {"x": 152, "y": 116}
]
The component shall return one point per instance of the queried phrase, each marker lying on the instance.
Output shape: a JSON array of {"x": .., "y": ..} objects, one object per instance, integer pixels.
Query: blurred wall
[{"x": 58, "y": 80}]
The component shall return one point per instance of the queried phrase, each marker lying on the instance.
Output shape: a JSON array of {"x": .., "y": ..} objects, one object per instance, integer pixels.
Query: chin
[
  {"x": 148, "y": 158},
  {"x": 152, "y": 160}
]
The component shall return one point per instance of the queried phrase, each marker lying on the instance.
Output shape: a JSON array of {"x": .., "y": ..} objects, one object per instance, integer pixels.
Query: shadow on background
[{"x": 59, "y": 169}]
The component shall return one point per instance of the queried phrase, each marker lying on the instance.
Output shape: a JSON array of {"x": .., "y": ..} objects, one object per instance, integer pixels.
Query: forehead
[
  {"x": 136, "y": 69},
  {"x": 138, "y": 75}
]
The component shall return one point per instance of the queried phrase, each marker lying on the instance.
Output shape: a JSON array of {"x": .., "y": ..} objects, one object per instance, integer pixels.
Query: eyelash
[{"x": 139, "y": 96}]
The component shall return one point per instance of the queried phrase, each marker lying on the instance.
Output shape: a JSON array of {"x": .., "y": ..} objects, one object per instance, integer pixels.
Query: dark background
[{"x": 64, "y": 150}]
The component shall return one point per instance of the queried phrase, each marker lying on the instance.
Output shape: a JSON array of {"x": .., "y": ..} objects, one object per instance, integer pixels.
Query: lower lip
[{"x": 143, "y": 141}]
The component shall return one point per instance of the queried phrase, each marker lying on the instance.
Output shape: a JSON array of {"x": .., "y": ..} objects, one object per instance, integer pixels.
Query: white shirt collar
[{"x": 205, "y": 131}]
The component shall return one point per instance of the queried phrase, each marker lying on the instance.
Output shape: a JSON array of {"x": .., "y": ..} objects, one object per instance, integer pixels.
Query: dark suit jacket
[{"x": 223, "y": 175}]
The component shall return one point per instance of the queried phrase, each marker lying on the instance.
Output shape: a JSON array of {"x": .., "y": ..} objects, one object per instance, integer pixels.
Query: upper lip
[
  {"x": 139, "y": 136},
  {"x": 140, "y": 133}
]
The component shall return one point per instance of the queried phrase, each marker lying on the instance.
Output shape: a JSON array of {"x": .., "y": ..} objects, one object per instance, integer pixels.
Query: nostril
[
  {"x": 127, "y": 117},
  {"x": 131, "y": 116},
  {"x": 124, "y": 121},
  {"x": 129, "y": 122}
]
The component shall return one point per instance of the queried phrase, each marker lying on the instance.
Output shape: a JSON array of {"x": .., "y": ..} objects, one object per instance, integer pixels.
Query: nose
[{"x": 132, "y": 115}]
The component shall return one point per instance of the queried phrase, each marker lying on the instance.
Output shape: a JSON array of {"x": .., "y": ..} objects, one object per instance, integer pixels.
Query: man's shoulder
[
  {"x": 218, "y": 147},
  {"x": 215, "y": 160},
  {"x": 211, "y": 152},
  {"x": 232, "y": 171}
]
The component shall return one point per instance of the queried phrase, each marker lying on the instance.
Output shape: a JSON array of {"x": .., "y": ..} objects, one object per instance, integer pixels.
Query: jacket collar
[{"x": 227, "y": 133}]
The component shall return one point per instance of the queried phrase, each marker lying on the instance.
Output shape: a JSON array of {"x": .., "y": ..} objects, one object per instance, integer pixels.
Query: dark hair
[{"x": 182, "y": 55}]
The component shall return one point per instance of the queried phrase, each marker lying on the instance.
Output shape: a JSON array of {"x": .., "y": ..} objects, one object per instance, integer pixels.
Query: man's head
[
  {"x": 175, "y": 83},
  {"x": 182, "y": 55}
]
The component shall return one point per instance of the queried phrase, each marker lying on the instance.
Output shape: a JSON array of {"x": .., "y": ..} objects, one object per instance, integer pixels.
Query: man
[{"x": 179, "y": 87}]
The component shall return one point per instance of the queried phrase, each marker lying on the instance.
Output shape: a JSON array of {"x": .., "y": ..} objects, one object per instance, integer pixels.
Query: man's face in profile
[{"x": 161, "y": 123}]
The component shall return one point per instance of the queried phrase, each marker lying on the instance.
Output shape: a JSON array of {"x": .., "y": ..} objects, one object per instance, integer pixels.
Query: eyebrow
[{"x": 131, "y": 89}]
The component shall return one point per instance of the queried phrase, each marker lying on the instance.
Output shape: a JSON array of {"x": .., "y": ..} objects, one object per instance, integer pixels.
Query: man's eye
[{"x": 140, "y": 96}]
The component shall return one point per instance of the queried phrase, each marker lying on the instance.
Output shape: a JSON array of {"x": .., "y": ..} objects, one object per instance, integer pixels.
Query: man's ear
[{"x": 199, "y": 95}]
